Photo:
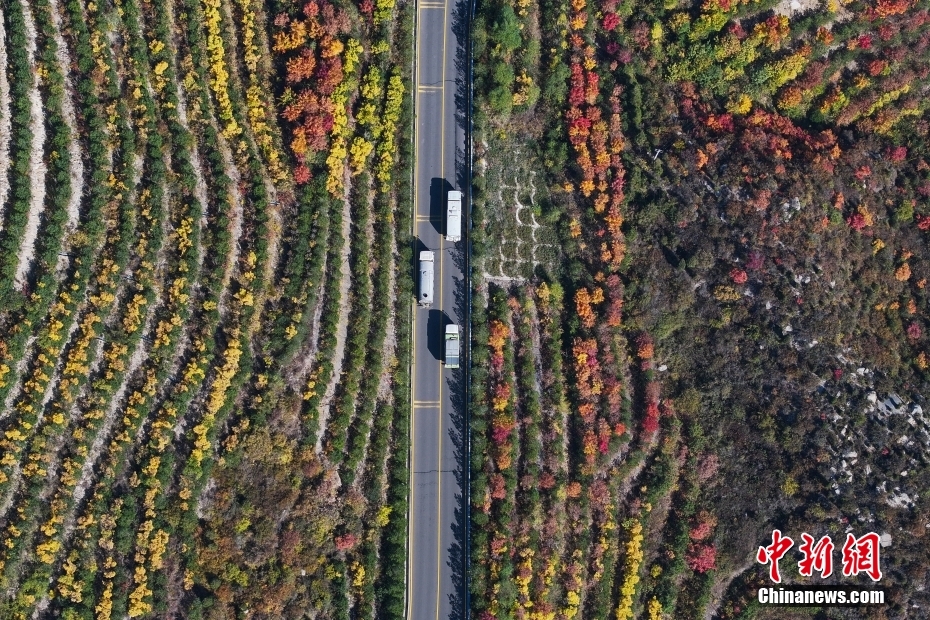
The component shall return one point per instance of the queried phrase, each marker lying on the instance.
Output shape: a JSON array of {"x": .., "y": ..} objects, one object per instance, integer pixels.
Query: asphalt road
[{"x": 436, "y": 560}]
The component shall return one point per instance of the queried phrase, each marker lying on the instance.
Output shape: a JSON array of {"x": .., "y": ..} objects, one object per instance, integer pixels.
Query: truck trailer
[
  {"x": 426, "y": 279},
  {"x": 452, "y": 346},
  {"x": 454, "y": 216}
]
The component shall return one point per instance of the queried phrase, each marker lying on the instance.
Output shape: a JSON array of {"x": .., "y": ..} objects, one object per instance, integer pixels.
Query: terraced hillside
[
  {"x": 700, "y": 302},
  {"x": 203, "y": 414}
]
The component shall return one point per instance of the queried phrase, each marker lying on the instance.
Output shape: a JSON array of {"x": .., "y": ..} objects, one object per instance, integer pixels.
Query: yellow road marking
[{"x": 429, "y": 88}]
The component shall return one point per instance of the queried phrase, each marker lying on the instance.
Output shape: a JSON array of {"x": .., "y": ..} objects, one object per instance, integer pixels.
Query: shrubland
[{"x": 731, "y": 337}]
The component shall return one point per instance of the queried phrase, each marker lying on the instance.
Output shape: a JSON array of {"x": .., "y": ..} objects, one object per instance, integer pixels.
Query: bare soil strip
[
  {"x": 235, "y": 218},
  {"x": 390, "y": 333},
  {"x": 37, "y": 163}
]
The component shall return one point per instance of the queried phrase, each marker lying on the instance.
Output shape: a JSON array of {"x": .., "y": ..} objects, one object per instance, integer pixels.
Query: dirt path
[
  {"x": 67, "y": 107},
  {"x": 275, "y": 230},
  {"x": 535, "y": 346},
  {"x": 342, "y": 324},
  {"x": 235, "y": 217},
  {"x": 297, "y": 377},
  {"x": 77, "y": 178},
  {"x": 385, "y": 360},
  {"x": 627, "y": 484},
  {"x": 390, "y": 333},
  {"x": 5, "y": 121},
  {"x": 37, "y": 167},
  {"x": 720, "y": 586}
]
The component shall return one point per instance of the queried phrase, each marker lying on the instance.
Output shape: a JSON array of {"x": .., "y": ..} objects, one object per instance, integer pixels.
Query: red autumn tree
[
  {"x": 546, "y": 480},
  {"x": 651, "y": 421},
  {"x": 644, "y": 346},
  {"x": 301, "y": 67},
  {"x": 610, "y": 21},
  {"x": 701, "y": 558},
  {"x": 856, "y": 221},
  {"x": 498, "y": 488},
  {"x": 346, "y": 541},
  {"x": 897, "y": 154},
  {"x": 704, "y": 525},
  {"x": 301, "y": 174}
]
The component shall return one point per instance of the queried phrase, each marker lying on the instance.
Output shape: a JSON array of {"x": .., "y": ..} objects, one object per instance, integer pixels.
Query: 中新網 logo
[{"x": 860, "y": 555}]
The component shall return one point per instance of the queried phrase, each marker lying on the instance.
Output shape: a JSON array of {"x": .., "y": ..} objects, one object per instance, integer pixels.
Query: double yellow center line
[{"x": 416, "y": 404}]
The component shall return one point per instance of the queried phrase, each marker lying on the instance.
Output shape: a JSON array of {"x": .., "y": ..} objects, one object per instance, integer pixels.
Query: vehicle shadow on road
[
  {"x": 438, "y": 190},
  {"x": 458, "y": 432},
  {"x": 436, "y": 322}
]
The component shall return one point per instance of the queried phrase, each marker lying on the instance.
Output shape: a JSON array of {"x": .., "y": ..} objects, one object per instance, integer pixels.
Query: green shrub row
[
  {"x": 357, "y": 333},
  {"x": 16, "y": 213},
  {"x": 392, "y": 578}
]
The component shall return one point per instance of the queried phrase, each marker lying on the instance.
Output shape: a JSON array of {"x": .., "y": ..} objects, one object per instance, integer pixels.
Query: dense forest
[{"x": 707, "y": 321}]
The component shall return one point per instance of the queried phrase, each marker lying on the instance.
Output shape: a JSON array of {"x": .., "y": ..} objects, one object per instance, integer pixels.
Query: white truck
[
  {"x": 452, "y": 346},
  {"x": 454, "y": 216},
  {"x": 426, "y": 279}
]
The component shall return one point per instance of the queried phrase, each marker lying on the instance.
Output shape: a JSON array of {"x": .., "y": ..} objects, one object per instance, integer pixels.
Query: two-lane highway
[{"x": 436, "y": 560}]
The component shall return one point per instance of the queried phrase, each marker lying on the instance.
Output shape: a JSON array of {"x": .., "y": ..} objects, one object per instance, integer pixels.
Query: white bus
[
  {"x": 426, "y": 279},
  {"x": 454, "y": 216}
]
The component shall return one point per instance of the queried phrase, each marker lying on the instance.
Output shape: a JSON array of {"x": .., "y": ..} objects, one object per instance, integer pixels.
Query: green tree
[{"x": 506, "y": 32}]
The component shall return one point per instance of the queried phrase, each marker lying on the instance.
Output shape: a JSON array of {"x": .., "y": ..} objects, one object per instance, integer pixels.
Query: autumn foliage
[{"x": 315, "y": 58}]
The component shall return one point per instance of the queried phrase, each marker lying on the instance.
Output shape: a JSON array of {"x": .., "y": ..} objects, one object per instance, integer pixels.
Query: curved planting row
[{"x": 170, "y": 266}]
